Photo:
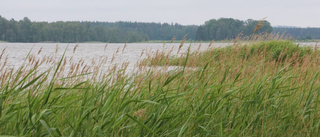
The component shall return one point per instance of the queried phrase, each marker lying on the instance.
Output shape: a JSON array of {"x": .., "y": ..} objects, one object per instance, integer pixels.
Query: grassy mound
[{"x": 279, "y": 51}]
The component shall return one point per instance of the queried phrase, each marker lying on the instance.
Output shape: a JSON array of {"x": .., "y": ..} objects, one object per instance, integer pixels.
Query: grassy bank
[
  {"x": 261, "y": 89},
  {"x": 278, "y": 51}
]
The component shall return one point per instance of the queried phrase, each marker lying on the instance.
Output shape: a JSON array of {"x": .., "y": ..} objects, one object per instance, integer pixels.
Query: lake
[{"x": 93, "y": 53}]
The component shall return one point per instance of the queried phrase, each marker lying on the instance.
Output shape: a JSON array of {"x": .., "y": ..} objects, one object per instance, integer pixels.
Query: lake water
[{"x": 90, "y": 53}]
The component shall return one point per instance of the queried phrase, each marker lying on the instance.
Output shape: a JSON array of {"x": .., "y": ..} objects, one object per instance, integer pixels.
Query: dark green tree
[{"x": 228, "y": 28}]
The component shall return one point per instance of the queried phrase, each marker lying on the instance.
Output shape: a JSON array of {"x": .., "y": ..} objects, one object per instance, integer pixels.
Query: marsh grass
[
  {"x": 278, "y": 51},
  {"x": 261, "y": 89}
]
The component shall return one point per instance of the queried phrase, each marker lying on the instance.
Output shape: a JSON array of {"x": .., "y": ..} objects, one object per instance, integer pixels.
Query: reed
[{"x": 261, "y": 89}]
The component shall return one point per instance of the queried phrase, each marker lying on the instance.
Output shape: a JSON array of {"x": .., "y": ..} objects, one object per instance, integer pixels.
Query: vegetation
[
  {"x": 28, "y": 31},
  {"x": 228, "y": 28},
  {"x": 278, "y": 51},
  {"x": 299, "y": 33},
  {"x": 264, "y": 89}
]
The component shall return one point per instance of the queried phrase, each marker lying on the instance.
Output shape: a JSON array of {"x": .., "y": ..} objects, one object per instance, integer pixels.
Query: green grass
[
  {"x": 234, "y": 91},
  {"x": 278, "y": 51}
]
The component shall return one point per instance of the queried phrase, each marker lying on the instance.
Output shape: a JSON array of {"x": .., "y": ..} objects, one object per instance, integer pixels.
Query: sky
[{"x": 300, "y": 13}]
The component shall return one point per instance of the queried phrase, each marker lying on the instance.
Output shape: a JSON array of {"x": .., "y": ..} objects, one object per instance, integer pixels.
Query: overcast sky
[{"x": 302, "y": 13}]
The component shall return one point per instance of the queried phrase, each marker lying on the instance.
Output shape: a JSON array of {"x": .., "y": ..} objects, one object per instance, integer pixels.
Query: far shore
[{"x": 162, "y": 41}]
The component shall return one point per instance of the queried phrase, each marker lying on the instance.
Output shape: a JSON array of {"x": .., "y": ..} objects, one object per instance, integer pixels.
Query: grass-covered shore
[{"x": 259, "y": 89}]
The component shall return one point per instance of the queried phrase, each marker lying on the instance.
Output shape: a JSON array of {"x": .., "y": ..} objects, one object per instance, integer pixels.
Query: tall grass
[
  {"x": 264, "y": 89},
  {"x": 279, "y": 51}
]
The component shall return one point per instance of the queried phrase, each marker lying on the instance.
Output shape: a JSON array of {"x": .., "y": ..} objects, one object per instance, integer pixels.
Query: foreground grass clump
[{"x": 240, "y": 94}]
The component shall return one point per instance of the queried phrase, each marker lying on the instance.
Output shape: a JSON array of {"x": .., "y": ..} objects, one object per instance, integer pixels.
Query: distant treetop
[{"x": 228, "y": 28}]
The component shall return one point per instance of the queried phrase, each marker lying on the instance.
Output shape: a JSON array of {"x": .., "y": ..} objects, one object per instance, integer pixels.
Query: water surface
[{"x": 114, "y": 53}]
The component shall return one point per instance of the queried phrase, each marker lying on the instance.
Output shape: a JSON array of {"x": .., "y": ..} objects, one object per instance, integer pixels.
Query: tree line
[
  {"x": 228, "y": 28},
  {"x": 299, "y": 33},
  {"x": 26, "y": 30}
]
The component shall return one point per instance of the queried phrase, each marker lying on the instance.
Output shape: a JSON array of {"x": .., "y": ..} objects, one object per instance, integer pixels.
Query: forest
[
  {"x": 228, "y": 28},
  {"x": 26, "y": 30},
  {"x": 299, "y": 33},
  {"x": 29, "y": 31}
]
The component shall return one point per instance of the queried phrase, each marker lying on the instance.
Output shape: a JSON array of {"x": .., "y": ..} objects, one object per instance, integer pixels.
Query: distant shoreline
[{"x": 160, "y": 41}]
